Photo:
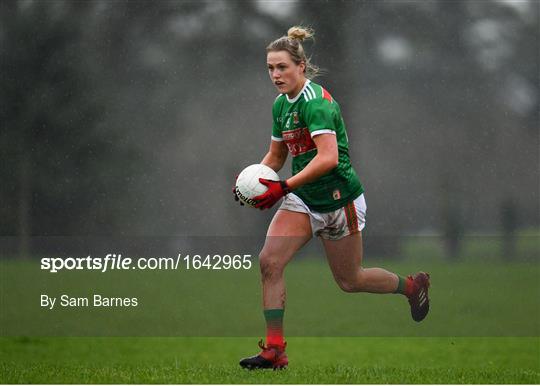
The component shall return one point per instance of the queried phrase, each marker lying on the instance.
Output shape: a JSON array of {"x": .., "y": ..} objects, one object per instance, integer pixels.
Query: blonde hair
[{"x": 292, "y": 43}]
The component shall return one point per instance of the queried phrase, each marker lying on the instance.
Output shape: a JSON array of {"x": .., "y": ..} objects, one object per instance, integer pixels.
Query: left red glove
[{"x": 276, "y": 190}]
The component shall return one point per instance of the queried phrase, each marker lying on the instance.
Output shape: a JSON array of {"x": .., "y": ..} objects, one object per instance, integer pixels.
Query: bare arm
[
  {"x": 276, "y": 156},
  {"x": 325, "y": 160}
]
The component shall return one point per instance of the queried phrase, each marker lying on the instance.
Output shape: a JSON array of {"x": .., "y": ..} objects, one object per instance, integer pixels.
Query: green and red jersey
[{"x": 296, "y": 121}]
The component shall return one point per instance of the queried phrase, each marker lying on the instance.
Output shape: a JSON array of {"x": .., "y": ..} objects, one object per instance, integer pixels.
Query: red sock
[
  {"x": 409, "y": 287},
  {"x": 405, "y": 286},
  {"x": 274, "y": 327}
]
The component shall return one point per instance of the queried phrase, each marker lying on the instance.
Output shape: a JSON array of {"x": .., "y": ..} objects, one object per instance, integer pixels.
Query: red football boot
[
  {"x": 419, "y": 299},
  {"x": 271, "y": 357}
]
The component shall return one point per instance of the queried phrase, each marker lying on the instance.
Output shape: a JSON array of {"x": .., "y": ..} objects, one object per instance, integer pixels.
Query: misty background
[{"x": 132, "y": 118}]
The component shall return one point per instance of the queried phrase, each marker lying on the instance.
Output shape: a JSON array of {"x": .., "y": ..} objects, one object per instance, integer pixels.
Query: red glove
[{"x": 276, "y": 190}]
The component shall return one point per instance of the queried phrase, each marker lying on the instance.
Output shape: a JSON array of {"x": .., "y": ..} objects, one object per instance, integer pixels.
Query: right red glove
[{"x": 276, "y": 190}]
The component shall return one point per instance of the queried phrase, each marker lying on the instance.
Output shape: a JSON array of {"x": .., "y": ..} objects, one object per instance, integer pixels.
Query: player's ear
[{"x": 302, "y": 66}]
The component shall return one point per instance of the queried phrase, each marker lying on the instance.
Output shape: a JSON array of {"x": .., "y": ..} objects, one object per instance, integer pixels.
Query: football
[{"x": 248, "y": 185}]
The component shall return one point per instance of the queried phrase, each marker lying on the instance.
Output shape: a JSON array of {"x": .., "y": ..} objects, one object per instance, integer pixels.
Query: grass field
[
  {"x": 483, "y": 327},
  {"x": 472, "y": 299},
  {"x": 312, "y": 360}
]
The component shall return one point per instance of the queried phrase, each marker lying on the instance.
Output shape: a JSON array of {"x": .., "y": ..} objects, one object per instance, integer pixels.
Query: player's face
[{"x": 287, "y": 76}]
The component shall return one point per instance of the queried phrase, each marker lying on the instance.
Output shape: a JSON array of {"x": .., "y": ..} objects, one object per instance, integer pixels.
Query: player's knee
[
  {"x": 270, "y": 269},
  {"x": 347, "y": 285},
  {"x": 350, "y": 283},
  {"x": 270, "y": 265}
]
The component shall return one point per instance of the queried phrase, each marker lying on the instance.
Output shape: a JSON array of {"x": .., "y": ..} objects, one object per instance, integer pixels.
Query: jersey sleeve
[
  {"x": 276, "y": 127},
  {"x": 320, "y": 117}
]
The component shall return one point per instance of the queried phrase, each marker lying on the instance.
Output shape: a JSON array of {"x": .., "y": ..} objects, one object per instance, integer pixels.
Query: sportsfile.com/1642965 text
[{"x": 113, "y": 261}]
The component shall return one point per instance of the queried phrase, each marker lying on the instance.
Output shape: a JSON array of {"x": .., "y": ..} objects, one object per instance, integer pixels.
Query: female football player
[{"x": 324, "y": 196}]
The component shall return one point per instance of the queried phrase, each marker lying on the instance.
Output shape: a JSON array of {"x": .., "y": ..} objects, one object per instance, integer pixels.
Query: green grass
[
  {"x": 475, "y": 247},
  {"x": 312, "y": 360},
  {"x": 483, "y": 327},
  {"x": 468, "y": 299}
]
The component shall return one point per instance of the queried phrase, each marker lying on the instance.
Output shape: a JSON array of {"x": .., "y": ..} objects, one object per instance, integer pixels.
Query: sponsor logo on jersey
[{"x": 298, "y": 141}]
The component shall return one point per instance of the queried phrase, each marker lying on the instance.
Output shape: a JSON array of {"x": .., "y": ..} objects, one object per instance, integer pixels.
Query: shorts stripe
[{"x": 352, "y": 220}]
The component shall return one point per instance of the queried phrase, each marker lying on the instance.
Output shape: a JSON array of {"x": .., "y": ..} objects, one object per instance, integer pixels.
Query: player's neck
[{"x": 297, "y": 89}]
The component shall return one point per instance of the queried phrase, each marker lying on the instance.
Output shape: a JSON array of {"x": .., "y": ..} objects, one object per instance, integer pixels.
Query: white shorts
[{"x": 331, "y": 225}]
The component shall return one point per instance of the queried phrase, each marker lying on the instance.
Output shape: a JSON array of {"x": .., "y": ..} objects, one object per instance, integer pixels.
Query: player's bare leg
[
  {"x": 287, "y": 233},
  {"x": 345, "y": 260}
]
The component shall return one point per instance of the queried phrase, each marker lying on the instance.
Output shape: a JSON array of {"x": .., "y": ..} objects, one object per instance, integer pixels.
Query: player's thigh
[
  {"x": 287, "y": 233},
  {"x": 345, "y": 255}
]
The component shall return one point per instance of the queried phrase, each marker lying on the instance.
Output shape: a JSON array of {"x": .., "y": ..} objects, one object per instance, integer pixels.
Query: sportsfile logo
[
  {"x": 247, "y": 200},
  {"x": 117, "y": 262}
]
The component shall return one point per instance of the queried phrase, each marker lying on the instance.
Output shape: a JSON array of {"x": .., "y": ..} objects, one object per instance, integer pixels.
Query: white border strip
[{"x": 323, "y": 131}]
